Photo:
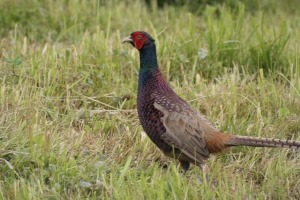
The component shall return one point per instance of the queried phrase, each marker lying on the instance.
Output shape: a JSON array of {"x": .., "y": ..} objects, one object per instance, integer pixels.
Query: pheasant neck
[{"x": 148, "y": 64}]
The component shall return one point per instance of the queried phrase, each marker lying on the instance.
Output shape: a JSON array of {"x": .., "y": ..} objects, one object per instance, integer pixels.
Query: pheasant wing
[{"x": 183, "y": 130}]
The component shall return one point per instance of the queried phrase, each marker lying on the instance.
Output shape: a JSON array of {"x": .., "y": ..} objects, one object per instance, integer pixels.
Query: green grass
[{"x": 68, "y": 121}]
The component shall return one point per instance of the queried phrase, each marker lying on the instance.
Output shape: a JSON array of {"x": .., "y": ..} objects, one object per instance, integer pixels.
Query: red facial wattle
[{"x": 139, "y": 40}]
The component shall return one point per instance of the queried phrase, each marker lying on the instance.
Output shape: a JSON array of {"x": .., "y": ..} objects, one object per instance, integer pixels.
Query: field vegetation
[{"x": 68, "y": 122}]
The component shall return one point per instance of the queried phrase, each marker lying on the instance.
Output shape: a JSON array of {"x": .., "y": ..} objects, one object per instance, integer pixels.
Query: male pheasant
[{"x": 177, "y": 129}]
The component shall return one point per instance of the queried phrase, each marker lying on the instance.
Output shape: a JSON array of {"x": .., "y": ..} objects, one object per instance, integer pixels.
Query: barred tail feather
[{"x": 262, "y": 142}]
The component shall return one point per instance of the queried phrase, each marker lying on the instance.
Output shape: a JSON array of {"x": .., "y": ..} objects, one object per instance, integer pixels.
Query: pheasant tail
[{"x": 261, "y": 142}]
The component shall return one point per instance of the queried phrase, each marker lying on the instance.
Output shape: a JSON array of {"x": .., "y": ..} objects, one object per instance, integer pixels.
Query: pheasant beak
[{"x": 127, "y": 39}]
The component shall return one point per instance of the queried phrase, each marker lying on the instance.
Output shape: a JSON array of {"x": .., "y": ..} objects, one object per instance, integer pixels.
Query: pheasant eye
[{"x": 139, "y": 37}]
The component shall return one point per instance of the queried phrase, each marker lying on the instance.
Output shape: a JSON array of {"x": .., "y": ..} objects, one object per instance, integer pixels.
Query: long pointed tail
[{"x": 261, "y": 142}]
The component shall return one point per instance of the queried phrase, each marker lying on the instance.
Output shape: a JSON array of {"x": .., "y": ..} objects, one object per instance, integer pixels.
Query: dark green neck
[
  {"x": 148, "y": 64},
  {"x": 148, "y": 58}
]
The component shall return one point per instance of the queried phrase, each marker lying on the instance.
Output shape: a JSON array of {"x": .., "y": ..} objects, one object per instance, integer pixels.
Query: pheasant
[{"x": 177, "y": 129}]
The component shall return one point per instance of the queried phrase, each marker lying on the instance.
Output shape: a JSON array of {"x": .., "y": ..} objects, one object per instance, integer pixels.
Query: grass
[{"x": 68, "y": 122}]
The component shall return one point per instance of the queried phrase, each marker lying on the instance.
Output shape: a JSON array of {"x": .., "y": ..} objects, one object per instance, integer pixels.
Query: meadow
[{"x": 68, "y": 122}]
